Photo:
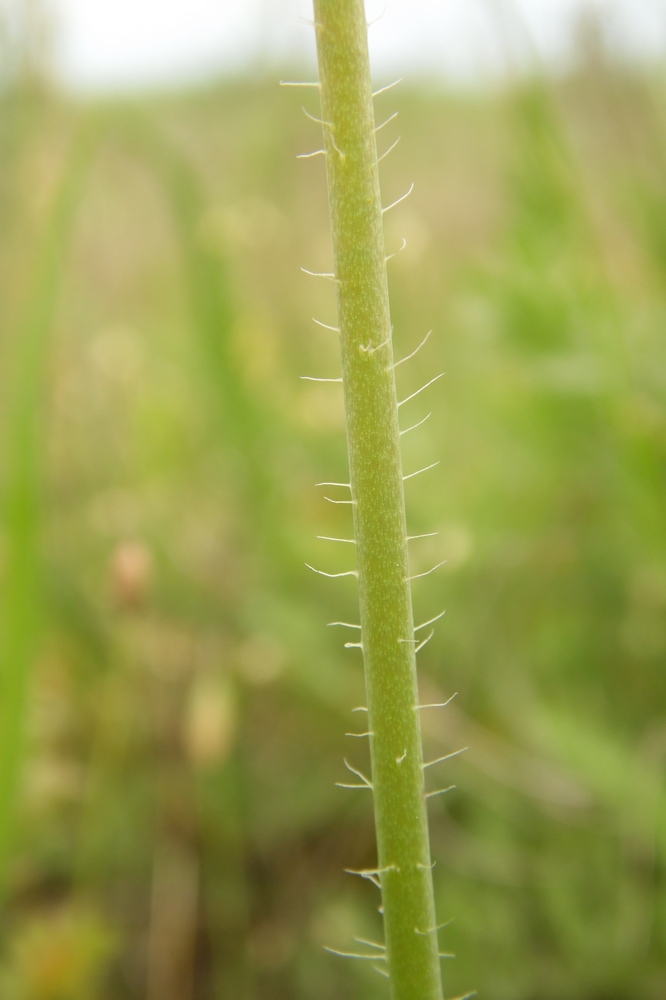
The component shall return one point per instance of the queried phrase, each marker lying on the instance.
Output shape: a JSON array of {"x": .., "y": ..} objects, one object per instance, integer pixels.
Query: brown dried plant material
[{"x": 131, "y": 575}]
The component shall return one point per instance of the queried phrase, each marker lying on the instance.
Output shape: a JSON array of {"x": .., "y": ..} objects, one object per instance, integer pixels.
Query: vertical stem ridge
[{"x": 379, "y": 508}]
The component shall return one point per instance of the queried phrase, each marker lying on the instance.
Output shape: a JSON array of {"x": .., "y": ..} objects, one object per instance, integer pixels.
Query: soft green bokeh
[{"x": 178, "y": 828}]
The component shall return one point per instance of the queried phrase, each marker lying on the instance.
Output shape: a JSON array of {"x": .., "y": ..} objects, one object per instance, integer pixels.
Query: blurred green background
[{"x": 177, "y": 833}]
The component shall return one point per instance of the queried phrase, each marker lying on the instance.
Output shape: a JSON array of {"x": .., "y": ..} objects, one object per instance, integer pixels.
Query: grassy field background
[{"x": 178, "y": 832}]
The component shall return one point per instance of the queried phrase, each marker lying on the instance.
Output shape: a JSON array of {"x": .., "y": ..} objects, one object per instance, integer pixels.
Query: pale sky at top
[{"x": 124, "y": 43}]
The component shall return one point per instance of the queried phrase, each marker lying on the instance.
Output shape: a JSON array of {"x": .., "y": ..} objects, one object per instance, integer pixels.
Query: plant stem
[{"x": 373, "y": 440}]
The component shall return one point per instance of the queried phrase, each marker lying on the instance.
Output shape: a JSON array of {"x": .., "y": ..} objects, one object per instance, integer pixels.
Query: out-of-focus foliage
[{"x": 179, "y": 835}]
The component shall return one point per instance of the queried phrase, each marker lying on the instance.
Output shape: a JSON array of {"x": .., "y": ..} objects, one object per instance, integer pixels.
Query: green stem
[{"x": 373, "y": 440}]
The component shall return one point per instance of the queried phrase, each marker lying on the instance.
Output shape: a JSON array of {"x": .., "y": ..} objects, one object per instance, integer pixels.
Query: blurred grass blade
[
  {"x": 24, "y": 449},
  {"x": 249, "y": 429}
]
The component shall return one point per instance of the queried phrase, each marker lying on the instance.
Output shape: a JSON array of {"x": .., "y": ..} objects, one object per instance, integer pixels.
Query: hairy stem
[{"x": 373, "y": 440}]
